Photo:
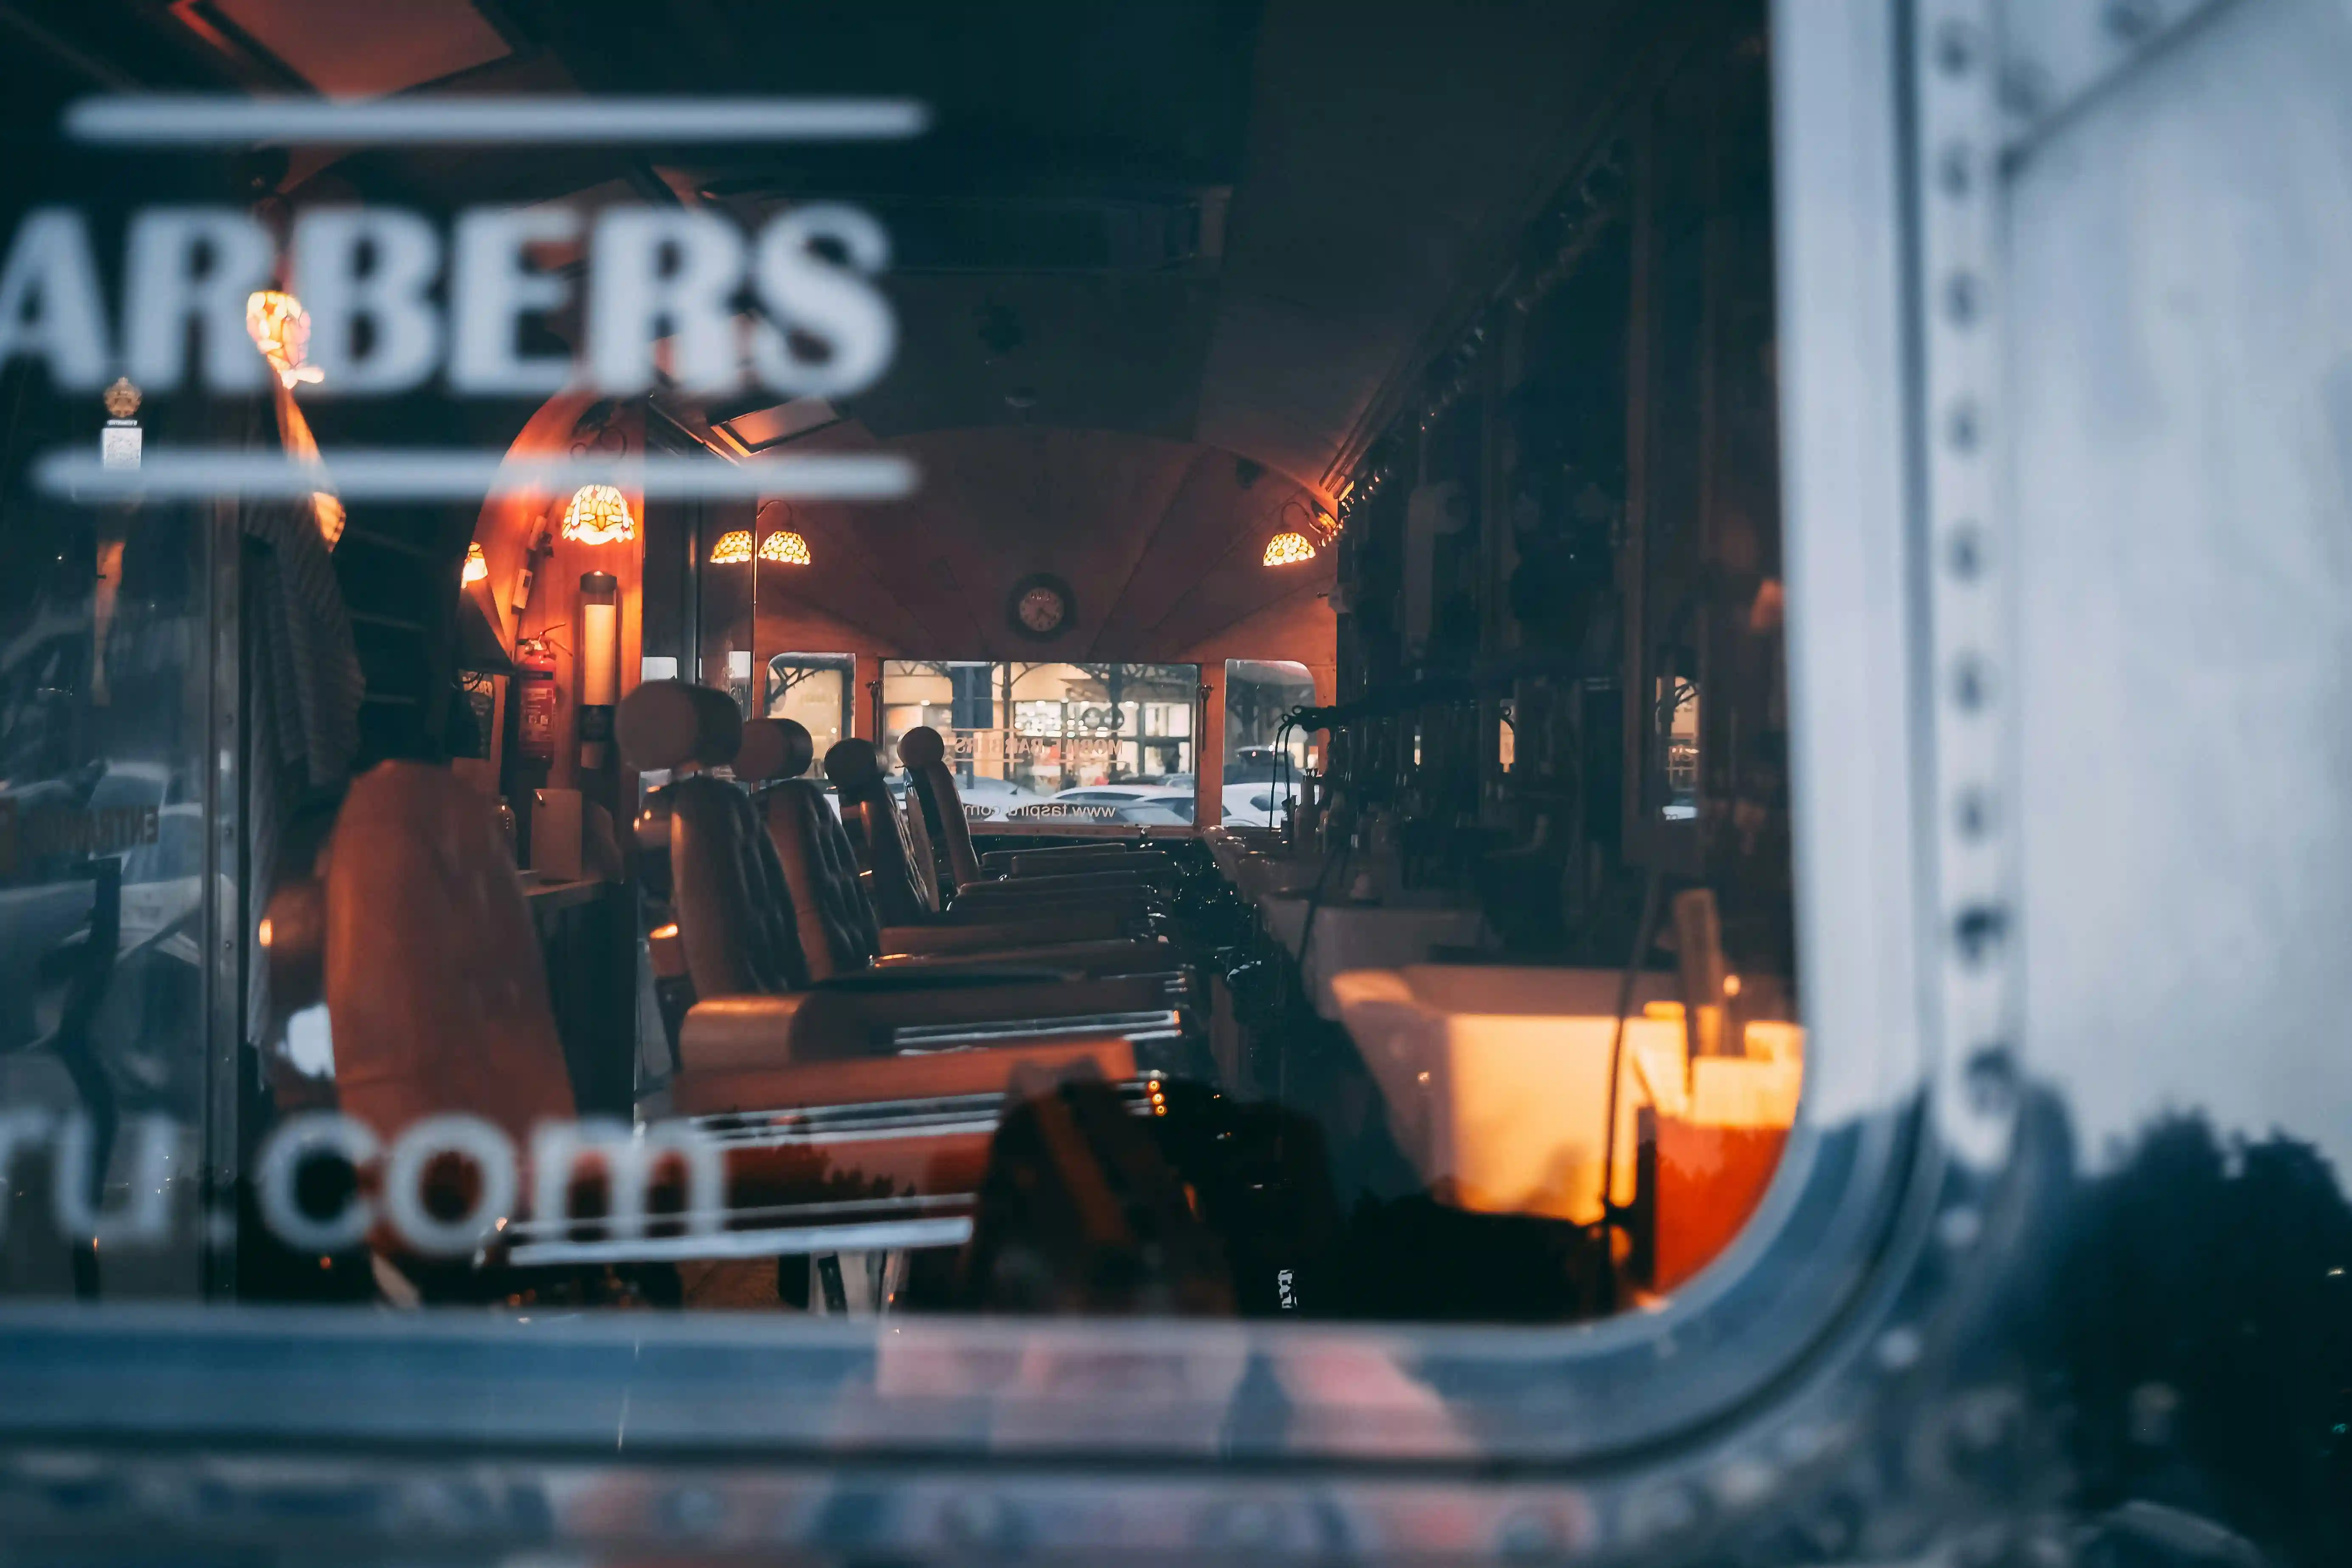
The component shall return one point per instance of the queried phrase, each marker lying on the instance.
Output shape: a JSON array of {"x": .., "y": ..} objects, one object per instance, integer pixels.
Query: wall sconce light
[
  {"x": 1288, "y": 549},
  {"x": 280, "y": 329},
  {"x": 599, "y": 514},
  {"x": 477, "y": 568},
  {"x": 1310, "y": 528},
  {"x": 733, "y": 549},
  {"x": 783, "y": 547}
]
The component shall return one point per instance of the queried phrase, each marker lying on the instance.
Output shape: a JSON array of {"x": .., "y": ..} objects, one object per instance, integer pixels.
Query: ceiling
[{"x": 1236, "y": 223}]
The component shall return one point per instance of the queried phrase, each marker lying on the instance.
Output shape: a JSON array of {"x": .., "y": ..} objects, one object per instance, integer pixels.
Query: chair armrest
[
  {"x": 1128, "y": 903},
  {"x": 1001, "y": 859},
  {"x": 730, "y": 1033},
  {"x": 861, "y": 1021},
  {"x": 868, "y": 1080},
  {"x": 1014, "y": 930},
  {"x": 1136, "y": 956},
  {"x": 1027, "y": 864}
]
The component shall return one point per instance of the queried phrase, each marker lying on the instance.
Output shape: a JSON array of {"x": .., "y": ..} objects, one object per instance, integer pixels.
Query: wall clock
[{"x": 1040, "y": 607}]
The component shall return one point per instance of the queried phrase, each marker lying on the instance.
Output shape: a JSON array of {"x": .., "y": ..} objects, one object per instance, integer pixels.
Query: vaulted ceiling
[
  {"x": 1237, "y": 223},
  {"x": 1161, "y": 542}
]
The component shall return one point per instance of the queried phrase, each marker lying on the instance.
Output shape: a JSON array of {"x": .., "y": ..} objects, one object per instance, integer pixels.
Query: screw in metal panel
[
  {"x": 1956, "y": 171},
  {"x": 1972, "y": 812},
  {"x": 1963, "y": 427},
  {"x": 1977, "y": 930},
  {"x": 1965, "y": 550},
  {"x": 1962, "y": 298},
  {"x": 1971, "y": 682}
]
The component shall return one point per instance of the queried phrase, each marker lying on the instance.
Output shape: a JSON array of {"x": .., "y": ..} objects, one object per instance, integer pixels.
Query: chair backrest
[
  {"x": 735, "y": 916},
  {"x": 877, "y": 831},
  {"x": 734, "y": 909},
  {"x": 834, "y": 919},
  {"x": 435, "y": 988},
  {"x": 932, "y": 783}
]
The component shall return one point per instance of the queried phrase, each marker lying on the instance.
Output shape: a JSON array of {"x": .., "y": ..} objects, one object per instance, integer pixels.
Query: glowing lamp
[
  {"x": 1288, "y": 549},
  {"x": 477, "y": 566},
  {"x": 599, "y": 514},
  {"x": 280, "y": 329},
  {"x": 733, "y": 548},
  {"x": 785, "y": 547}
]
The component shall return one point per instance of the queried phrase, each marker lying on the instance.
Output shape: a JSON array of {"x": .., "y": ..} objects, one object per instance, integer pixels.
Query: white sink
[
  {"x": 1347, "y": 936},
  {"x": 1498, "y": 1078}
]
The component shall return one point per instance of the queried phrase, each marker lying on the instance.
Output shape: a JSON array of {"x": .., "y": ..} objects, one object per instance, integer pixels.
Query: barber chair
[
  {"x": 895, "y": 848},
  {"x": 414, "y": 933},
  {"x": 937, "y": 804},
  {"x": 837, "y": 922},
  {"x": 760, "y": 1001}
]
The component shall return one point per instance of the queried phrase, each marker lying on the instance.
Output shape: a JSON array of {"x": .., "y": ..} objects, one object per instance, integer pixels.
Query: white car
[
  {"x": 1120, "y": 801},
  {"x": 1257, "y": 804},
  {"x": 984, "y": 799}
]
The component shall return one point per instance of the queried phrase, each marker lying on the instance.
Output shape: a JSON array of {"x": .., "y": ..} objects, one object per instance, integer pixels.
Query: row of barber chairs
[{"x": 877, "y": 1027}]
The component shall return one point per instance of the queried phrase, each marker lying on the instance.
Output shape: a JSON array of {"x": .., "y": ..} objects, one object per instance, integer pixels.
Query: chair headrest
[
  {"x": 921, "y": 746},
  {"x": 773, "y": 749},
  {"x": 852, "y": 762},
  {"x": 663, "y": 723}
]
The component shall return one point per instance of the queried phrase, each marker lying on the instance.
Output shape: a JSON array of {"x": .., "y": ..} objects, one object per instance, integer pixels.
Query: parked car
[
  {"x": 1178, "y": 801},
  {"x": 1258, "y": 805},
  {"x": 984, "y": 799}
]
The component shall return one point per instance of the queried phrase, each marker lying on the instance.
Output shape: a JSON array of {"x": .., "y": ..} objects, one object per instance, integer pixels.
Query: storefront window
[
  {"x": 1262, "y": 757},
  {"x": 1023, "y": 735},
  {"x": 811, "y": 689}
]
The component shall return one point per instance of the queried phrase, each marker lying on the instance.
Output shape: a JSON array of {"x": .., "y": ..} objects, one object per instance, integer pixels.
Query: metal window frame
[{"x": 1894, "y": 121}]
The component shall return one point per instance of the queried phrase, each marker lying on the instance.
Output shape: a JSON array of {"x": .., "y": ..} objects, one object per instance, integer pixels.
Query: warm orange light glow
[
  {"x": 1288, "y": 549},
  {"x": 1732, "y": 985},
  {"x": 785, "y": 547},
  {"x": 268, "y": 930},
  {"x": 733, "y": 549},
  {"x": 599, "y": 514},
  {"x": 280, "y": 329},
  {"x": 477, "y": 566}
]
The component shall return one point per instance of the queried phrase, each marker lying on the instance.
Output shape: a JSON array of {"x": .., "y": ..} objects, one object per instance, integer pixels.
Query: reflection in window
[
  {"x": 812, "y": 689},
  {"x": 1677, "y": 740},
  {"x": 1263, "y": 760},
  {"x": 1022, "y": 734}
]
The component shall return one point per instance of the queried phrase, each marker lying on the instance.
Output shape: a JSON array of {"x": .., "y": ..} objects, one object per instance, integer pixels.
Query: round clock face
[
  {"x": 1040, "y": 606},
  {"x": 1041, "y": 609}
]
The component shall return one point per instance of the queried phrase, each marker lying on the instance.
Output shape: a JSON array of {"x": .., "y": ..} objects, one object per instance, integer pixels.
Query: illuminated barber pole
[{"x": 600, "y": 663}]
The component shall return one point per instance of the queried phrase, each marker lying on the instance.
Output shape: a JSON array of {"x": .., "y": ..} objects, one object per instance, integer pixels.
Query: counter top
[
  {"x": 546, "y": 897},
  {"x": 1347, "y": 935}
]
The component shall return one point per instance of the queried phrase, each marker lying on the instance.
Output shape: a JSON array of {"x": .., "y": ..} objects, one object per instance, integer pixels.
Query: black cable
[{"x": 1645, "y": 934}]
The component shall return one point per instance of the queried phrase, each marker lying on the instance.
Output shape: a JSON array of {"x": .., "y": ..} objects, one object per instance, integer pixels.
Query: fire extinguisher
[{"x": 535, "y": 701}]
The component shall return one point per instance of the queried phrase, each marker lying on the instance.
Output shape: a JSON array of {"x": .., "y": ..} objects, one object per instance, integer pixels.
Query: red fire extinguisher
[{"x": 535, "y": 701}]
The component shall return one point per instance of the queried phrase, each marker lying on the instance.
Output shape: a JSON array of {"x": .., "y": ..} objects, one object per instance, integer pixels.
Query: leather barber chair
[
  {"x": 895, "y": 848},
  {"x": 415, "y": 931},
  {"x": 759, "y": 1002},
  {"x": 837, "y": 924},
  {"x": 935, "y": 802}
]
